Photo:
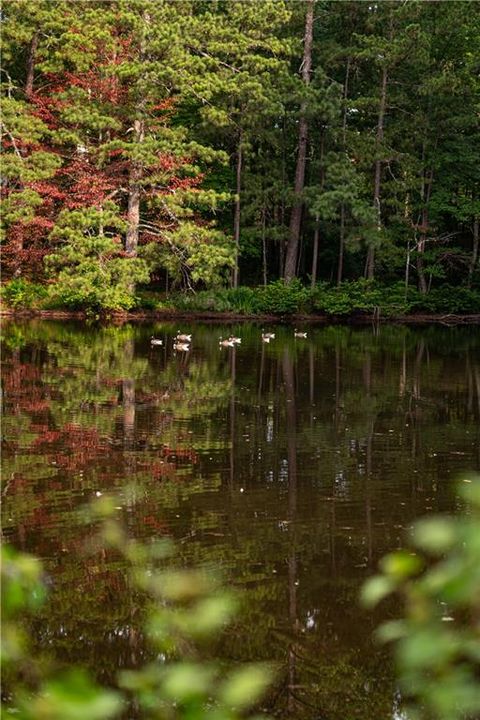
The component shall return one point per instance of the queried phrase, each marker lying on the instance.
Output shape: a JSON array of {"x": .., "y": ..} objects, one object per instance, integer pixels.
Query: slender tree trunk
[
  {"x": 474, "y": 258},
  {"x": 278, "y": 222},
  {"x": 426, "y": 192},
  {"x": 30, "y": 68},
  {"x": 407, "y": 269},
  {"x": 296, "y": 216},
  {"x": 136, "y": 170},
  {"x": 31, "y": 58},
  {"x": 408, "y": 221},
  {"x": 422, "y": 283},
  {"x": 134, "y": 194},
  {"x": 264, "y": 248},
  {"x": 236, "y": 216},
  {"x": 377, "y": 185},
  {"x": 316, "y": 236},
  {"x": 341, "y": 247}
]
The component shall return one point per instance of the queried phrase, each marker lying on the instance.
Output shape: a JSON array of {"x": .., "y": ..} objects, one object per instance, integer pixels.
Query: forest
[{"x": 266, "y": 156}]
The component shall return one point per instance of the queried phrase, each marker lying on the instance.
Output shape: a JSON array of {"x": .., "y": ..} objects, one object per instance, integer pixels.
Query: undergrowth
[{"x": 352, "y": 298}]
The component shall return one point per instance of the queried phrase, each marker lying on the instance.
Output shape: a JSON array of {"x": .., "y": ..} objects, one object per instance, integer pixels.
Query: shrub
[
  {"x": 243, "y": 300},
  {"x": 446, "y": 299},
  {"x": 90, "y": 269},
  {"x": 280, "y": 298},
  {"x": 438, "y": 639},
  {"x": 20, "y": 293},
  {"x": 358, "y": 296},
  {"x": 354, "y": 297}
]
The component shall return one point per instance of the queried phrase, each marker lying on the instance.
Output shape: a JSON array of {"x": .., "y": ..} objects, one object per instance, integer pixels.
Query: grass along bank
[{"x": 351, "y": 300}]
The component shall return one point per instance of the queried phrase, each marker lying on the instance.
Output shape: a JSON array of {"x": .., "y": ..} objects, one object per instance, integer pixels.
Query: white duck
[
  {"x": 299, "y": 334},
  {"x": 183, "y": 337},
  {"x": 226, "y": 343},
  {"x": 155, "y": 341},
  {"x": 270, "y": 336},
  {"x": 181, "y": 347},
  {"x": 235, "y": 340}
]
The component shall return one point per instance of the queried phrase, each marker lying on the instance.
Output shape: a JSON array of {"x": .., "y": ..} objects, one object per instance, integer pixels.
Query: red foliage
[
  {"x": 92, "y": 172},
  {"x": 89, "y": 186},
  {"x": 47, "y": 437}
]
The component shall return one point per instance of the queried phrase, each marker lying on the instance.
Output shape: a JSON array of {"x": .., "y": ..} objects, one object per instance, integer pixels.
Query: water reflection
[{"x": 293, "y": 466}]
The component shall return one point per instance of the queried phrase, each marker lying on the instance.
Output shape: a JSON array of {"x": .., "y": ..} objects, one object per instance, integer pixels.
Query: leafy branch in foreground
[
  {"x": 185, "y": 609},
  {"x": 437, "y": 642}
]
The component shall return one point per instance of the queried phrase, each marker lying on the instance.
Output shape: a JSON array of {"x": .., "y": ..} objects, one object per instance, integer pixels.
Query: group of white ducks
[
  {"x": 266, "y": 337},
  {"x": 182, "y": 341}
]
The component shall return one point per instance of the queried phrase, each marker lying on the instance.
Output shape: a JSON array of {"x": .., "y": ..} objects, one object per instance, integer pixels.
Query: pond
[{"x": 292, "y": 466}]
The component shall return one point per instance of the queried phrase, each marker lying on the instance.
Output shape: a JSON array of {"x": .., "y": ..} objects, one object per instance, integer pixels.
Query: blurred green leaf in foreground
[
  {"x": 185, "y": 609},
  {"x": 437, "y": 642}
]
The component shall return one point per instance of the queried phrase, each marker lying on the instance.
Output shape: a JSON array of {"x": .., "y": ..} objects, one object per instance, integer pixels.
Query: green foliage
[
  {"x": 20, "y": 293},
  {"x": 277, "y": 298},
  {"x": 242, "y": 300},
  {"x": 364, "y": 296},
  {"x": 437, "y": 641},
  {"x": 155, "y": 104},
  {"x": 186, "y": 609},
  {"x": 280, "y": 298},
  {"x": 446, "y": 299},
  {"x": 192, "y": 255},
  {"x": 349, "y": 299},
  {"x": 89, "y": 267}
]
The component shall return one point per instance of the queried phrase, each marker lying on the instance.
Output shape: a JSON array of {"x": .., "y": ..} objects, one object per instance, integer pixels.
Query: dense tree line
[{"x": 190, "y": 143}]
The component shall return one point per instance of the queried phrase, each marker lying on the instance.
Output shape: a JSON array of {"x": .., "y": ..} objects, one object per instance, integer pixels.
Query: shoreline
[{"x": 149, "y": 315}]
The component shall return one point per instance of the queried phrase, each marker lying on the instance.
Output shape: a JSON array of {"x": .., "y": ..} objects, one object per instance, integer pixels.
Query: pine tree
[{"x": 296, "y": 213}]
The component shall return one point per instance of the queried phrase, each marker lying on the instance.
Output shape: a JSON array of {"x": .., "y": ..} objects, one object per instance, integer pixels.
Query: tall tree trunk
[
  {"x": 422, "y": 283},
  {"x": 425, "y": 192},
  {"x": 407, "y": 270},
  {"x": 377, "y": 185},
  {"x": 474, "y": 258},
  {"x": 296, "y": 216},
  {"x": 136, "y": 169},
  {"x": 264, "y": 247},
  {"x": 31, "y": 58},
  {"x": 236, "y": 217},
  {"x": 341, "y": 246},
  {"x": 316, "y": 236},
  {"x": 134, "y": 193},
  {"x": 30, "y": 68},
  {"x": 408, "y": 221},
  {"x": 278, "y": 222}
]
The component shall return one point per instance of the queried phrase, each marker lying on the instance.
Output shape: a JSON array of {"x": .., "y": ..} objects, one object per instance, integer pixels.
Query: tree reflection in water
[{"x": 291, "y": 466}]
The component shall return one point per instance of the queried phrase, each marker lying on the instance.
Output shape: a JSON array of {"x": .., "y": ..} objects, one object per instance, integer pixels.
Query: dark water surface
[{"x": 293, "y": 466}]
